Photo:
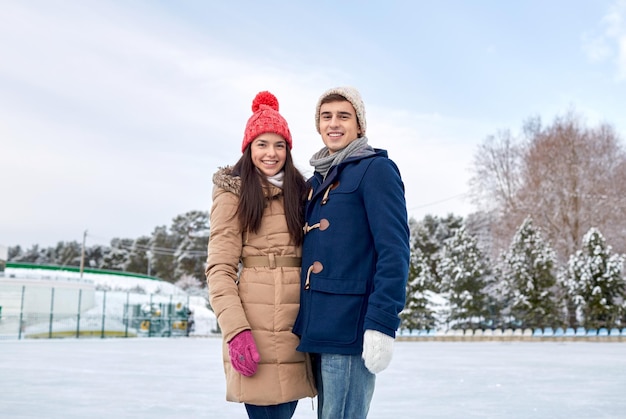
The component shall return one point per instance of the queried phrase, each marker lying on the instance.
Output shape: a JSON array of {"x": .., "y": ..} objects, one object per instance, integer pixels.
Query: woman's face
[{"x": 269, "y": 152}]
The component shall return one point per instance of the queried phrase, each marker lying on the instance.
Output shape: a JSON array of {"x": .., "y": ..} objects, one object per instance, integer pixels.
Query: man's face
[{"x": 338, "y": 125}]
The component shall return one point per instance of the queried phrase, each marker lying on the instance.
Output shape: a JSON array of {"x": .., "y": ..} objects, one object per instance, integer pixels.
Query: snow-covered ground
[{"x": 182, "y": 378}]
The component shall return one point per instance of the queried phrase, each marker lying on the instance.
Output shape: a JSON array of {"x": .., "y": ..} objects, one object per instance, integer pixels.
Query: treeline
[
  {"x": 169, "y": 254},
  {"x": 454, "y": 284}
]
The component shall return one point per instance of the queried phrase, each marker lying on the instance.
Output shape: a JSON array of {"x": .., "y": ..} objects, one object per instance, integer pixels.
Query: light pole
[
  {"x": 82, "y": 255},
  {"x": 149, "y": 256}
]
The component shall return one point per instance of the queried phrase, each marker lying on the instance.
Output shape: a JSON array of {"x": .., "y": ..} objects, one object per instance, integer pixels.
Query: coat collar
[
  {"x": 336, "y": 170},
  {"x": 225, "y": 179}
]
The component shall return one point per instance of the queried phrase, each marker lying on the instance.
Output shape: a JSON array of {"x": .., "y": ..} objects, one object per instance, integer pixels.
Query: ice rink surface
[{"x": 182, "y": 378}]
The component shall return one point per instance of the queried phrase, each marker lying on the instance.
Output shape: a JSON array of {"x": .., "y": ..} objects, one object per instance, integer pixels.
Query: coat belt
[{"x": 272, "y": 261}]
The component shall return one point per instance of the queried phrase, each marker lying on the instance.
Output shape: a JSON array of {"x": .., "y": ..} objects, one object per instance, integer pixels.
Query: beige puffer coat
[{"x": 264, "y": 299}]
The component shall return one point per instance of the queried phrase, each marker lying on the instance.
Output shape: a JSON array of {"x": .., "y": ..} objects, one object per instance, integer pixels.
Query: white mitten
[{"x": 377, "y": 350}]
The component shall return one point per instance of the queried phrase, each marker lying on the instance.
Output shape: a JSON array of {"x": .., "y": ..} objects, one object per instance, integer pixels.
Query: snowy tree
[
  {"x": 14, "y": 252},
  {"x": 192, "y": 232},
  {"x": 138, "y": 258},
  {"x": 117, "y": 256},
  {"x": 94, "y": 255},
  {"x": 428, "y": 236},
  {"x": 68, "y": 253},
  {"x": 34, "y": 254},
  {"x": 594, "y": 281},
  {"x": 63, "y": 254},
  {"x": 527, "y": 274},
  {"x": 192, "y": 223},
  {"x": 465, "y": 276},
  {"x": 418, "y": 313},
  {"x": 480, "y": 225},
  {"x": 162, "y": 248},
  {"x": 427, "y": 240}
]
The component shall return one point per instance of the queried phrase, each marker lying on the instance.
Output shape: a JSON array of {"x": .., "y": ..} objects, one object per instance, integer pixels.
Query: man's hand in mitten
[
  {"x": 243, "y": 353},
  {"x": 377, "y": 350}
]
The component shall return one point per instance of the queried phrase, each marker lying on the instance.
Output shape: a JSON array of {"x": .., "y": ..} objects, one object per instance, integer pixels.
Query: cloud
[
  {"x": 610, "y": 42},
  {"x": 621, "y": 59},
  {"x": 596, "y": 48}
]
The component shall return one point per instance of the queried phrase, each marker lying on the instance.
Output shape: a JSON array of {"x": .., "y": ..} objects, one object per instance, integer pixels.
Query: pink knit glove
[{"x": 243, "y": 353}]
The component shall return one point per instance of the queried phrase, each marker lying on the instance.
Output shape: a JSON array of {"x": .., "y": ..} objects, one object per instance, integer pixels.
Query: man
[{"x": 355, "y": 259}]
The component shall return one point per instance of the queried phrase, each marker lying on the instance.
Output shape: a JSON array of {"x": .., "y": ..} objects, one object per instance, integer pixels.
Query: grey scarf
[{"x": 322, "y": 161}]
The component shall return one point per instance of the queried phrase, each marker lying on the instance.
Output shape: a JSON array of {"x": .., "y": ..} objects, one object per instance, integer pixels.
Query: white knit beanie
[{"x": 353, "y": 96}]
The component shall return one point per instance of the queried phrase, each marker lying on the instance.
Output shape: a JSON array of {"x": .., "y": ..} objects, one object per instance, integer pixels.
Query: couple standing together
[{"x": 307, "y": 278}]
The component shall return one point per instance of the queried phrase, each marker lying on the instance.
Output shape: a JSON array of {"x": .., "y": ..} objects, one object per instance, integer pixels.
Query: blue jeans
[
  {"x": 275, "y": 411},
  {"x": 345, "y": 386}
]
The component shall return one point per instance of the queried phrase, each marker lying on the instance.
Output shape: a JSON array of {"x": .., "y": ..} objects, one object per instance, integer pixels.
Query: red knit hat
[{"x": 265, "y": 118}]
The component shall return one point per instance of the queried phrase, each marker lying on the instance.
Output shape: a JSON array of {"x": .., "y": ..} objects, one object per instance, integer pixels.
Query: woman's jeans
[
  {"x": 276, "y": 411},
  {"x": 345, "y": 386}
]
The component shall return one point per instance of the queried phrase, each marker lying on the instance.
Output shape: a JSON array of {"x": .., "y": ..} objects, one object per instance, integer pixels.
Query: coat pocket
[{"x": 337, "y": 308}]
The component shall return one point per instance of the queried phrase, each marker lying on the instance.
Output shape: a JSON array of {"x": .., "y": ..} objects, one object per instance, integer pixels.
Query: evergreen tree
[
  {"x": 138, "y": 258},
  {"x": 68, "y": 253},
  {"x": 162, "y": 248},
  {"x": 465, "y": 276},
  {"x": 417, "y": 313},
  {"x": 35, "y": 255},
  {"x": 191, "y": 231},
  {"x": 94, "y": 255},
  {"x": 48, "y": 256},
  {"x": 593, "y": 278},
  {"x": 14, "y": 253},
  {"x": 527, "y": 273},
  {"x": 429, "y": 236},
  {"x": 117, "y": 257}
]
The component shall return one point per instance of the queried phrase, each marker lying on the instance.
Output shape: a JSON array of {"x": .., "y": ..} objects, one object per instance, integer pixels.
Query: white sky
[{"x": 115, "y": 114}]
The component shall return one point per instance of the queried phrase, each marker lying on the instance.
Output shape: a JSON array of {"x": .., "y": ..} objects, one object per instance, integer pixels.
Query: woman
[{"x": 253, "y": 268}]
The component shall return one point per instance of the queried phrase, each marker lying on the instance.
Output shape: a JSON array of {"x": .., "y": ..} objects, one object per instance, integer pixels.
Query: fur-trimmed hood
[{"x": 225, "y": 179}]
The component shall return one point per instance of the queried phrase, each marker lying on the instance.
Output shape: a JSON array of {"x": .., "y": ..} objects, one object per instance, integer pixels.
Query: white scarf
[{"x": 277, "y": 179}]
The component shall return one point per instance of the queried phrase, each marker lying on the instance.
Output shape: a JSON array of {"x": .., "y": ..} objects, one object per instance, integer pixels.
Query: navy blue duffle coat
[{"x": 355, "y": 255}]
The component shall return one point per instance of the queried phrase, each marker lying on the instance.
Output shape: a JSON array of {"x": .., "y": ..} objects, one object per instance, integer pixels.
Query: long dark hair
[{"x": 252, "y": 200}]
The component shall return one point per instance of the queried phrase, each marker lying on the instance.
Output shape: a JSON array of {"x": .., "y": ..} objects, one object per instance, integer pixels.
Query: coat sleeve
[
  {"x": 388, "y": 222},
  {"x": 224, "y": 251}
]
